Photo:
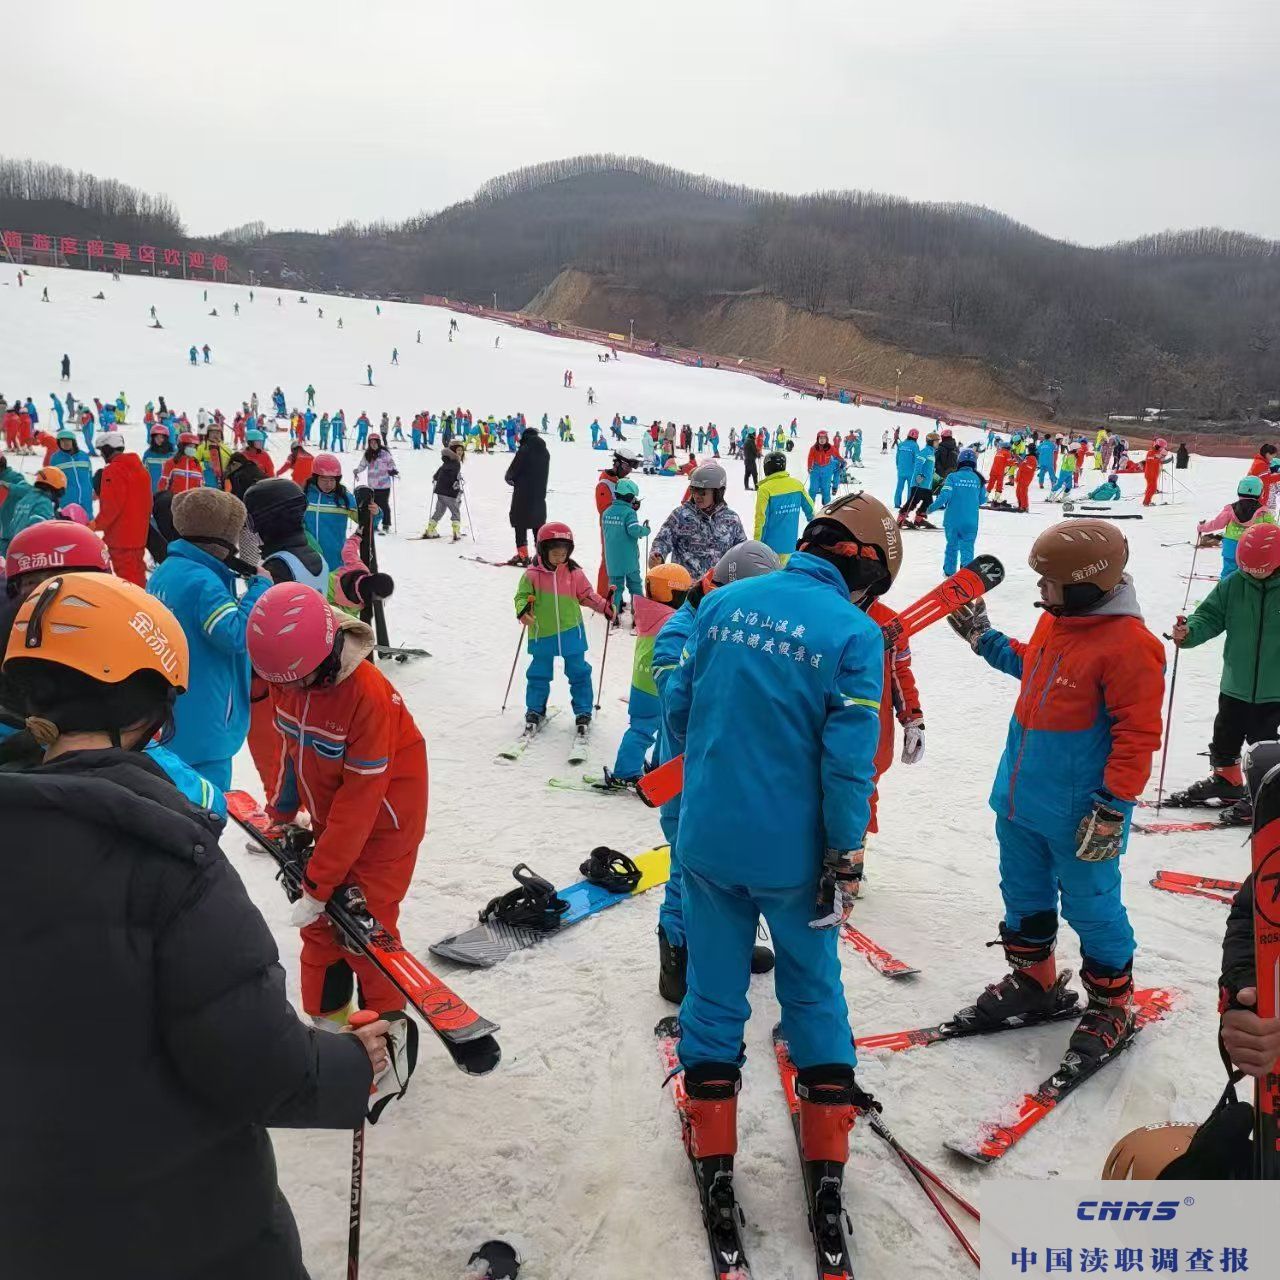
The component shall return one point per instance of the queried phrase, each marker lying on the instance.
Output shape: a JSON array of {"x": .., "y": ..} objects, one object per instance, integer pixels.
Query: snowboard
[{"x": 489, "y": 942}]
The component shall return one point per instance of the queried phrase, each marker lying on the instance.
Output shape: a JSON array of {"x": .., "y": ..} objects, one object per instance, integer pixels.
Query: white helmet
[
  {"x": 628, "y": 454},
  {"x": 111, "y": 440}
]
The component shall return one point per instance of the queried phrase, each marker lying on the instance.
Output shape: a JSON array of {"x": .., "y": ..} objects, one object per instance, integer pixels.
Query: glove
[
  {"x": 402, "y": 1051},
  {"x": 1180, "y": 630},
  {"x": 838, "y": 888},
  {"x": 306, "y": 911},
  {"x": 525, "y": 619},
  {"x": 1101, "y": 832},
  {"x": 970, "y": 622},
  {"x": 913, "y": 742}
]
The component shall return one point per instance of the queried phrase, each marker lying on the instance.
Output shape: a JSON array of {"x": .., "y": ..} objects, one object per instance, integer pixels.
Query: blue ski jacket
[
  {"x": 905, "y": 458},
  {"x": 330, "y": 519},
  {"x": 78, "y": 469},
  {"x": 622, "y": 532},
  {"x": 922, "y": 475},
  {"x": 962, "y": 494}
]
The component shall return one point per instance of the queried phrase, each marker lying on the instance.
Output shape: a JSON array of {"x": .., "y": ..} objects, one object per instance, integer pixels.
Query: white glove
[
  {"x": 913, "y": 742},
  {"x": 306, "y": 910}
]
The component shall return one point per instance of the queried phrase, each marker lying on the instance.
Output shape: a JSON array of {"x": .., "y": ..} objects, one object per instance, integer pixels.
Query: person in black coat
[
  {"x": 151, "y": 1043},
  {"x": 527, "y": 476},
  {"x": 946, "y": 457},
  {"x": 750, "y": 455},
  {"x": 446, "y": 484}
]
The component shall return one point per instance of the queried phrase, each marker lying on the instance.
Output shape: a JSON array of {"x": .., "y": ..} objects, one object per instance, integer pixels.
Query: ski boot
[
  {"x": 609, "y": 781},
  {"x": 533, "y": 721},
  {"x": 709, "y": 1121},
  {"x": 673, "y": 960},
  {"x": 431, "y": 531},
  {"x": 1224, "y": 786},
  {"x": 829, "y": 1104},
  {"x": 520, "y": 560},
  {"x": 457, "y": 532},
  {"x": 1108, "y": 1020},
  {"x": 1239, "y": 814},
  {"x": 1032, "y": 992},
  {"x": 922, "y": 523},
  {"x": 583, "y": 722}
]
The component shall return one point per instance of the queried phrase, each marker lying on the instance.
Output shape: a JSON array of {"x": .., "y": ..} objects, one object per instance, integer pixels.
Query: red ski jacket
[{"x": 124, "y": 510}]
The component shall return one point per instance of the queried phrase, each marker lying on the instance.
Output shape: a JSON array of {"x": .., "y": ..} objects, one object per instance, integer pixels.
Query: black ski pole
[
  {"x": 362, "y": 1017},
  {"x": 1173, "y": 683},
  {"x": 511, "y": 678},
  {"x": 604, "y": 656}
]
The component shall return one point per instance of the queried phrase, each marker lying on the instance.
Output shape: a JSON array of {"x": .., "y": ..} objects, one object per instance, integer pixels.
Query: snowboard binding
[
  {"x": 532, "y": 905},
  {"x": 611, "y": 870}
]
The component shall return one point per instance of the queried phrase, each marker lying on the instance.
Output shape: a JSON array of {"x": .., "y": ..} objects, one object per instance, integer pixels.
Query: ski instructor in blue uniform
[{"x": 781, "y": 679}]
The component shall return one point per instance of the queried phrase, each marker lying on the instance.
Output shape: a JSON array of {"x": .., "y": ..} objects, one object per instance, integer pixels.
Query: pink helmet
[
  {"x": 291, "y": 632},
  {"x": 75, "y": 512},
  {"x": 1258, "y": 551},
  {"x": 554, "y": 531},
  {"x": 914, "y": 433},
  {"x": 327, "y": 465},
  {"x": 1159, "y": 443},
  {"x": 946, "y": 431}
]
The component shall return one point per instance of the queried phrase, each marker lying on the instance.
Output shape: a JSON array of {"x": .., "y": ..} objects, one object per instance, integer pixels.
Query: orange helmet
[
  {"x": 54, "y": 477},
  {"x": 101, "y": 626},
  {"x": 665, "y": 580}
]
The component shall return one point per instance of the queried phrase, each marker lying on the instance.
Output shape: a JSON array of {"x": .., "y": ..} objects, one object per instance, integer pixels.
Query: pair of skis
[
  {"x": 468, "y": 1038},
  {"x": 578, "y": 748},
  {"x": 981, "y": 575},
  {"x": 722, "y": 1216},
  {"x": 1223, "y": 891}
]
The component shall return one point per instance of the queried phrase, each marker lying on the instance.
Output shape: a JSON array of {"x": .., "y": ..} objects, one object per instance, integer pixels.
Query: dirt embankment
[{"x": 762, "y": 328}]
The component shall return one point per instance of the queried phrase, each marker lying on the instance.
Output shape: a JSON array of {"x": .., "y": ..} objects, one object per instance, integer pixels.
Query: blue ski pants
[
  {"x": 324, "y": 435},
  {"x": 671, "y": 913},
  {"x": 1065, "y": 481},
  {"x": 1035, "y": 870},
  {"x": 959, "y": 549},
  {"x": 820, "y": 486},
  {"x": 1046, "y": 471},
  {"x": 577, "y": 671},
  {"x": 641, "y": 732},
  {"x": 631, "y": 581},
  {"x": 901, "y": 491},
  {"x": 720, "y": 923}
]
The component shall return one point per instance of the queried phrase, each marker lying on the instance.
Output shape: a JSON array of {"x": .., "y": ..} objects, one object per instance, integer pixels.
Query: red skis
[
  {"x": 880, "y": 960},
  {"x": 1196, "y": 886},
  {"x": 984, "y": 573},
  {"x": 1266, "y": 945}
]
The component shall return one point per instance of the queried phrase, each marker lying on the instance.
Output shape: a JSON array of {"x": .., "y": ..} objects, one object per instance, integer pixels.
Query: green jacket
[{"x": 1248, "y": 610}]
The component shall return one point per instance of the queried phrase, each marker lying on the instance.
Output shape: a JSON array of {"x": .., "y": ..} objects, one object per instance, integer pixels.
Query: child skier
[
  {"x": 921, "y": 494},
  {"x": 158, "y": 453},
  {"x": 1242, "y": 607},
  {"x": 780, "y": 503},
  {"x": 622, "y": 532},
  {"x": 548, "y": 602},
  {"x": 1084, "y": 729},
  {"x": 1107, "y": 492},
  {"x": 331, "y": 510},
  {"x": 447, "y": 487},
  {"x": 960, "y": 500},
  {"x": 77, "y": 467},
  {"x": 665, "y": 590},
  {"x": 367, "y": 800},
  {"x": 1235, "y": 518},
  {"x": 183, "y": 470},
  {"x": 381, "y": 466},
  {"x": 822, "y": 468}
]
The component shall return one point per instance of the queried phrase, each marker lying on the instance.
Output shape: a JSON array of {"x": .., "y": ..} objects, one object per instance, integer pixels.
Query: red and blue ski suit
[{"x": 1086, "y": 725}]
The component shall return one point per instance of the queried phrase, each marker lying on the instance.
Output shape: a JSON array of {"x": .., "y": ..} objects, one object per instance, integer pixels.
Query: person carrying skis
[
  {"x": 77, "y": 467},
  {"x": 904, "y": 460},
  {"x": 548, "y": 603},
  {"x": 1235, "y": 518},
  {"x": 447, "y": 487},
  {"x": 138, "y": 862},
  {"x": 124, "y": 508},
  {"x": 1242, "y": 607},
  {"x": 746, "y": 560},
  {"x": 960, "y": 500},
  {"x": 921, "y": 494},
  {"x": 780, "y": 502},
  {"x": 666, "y": 588},
  {"x": 622, "y": 533},
  {"x": 527, "y": 476},
  {"x": 210, "y": 590},
  {"x": 362, "y": 777},
  {"x": 625, "y": 461},
  {"x": 698, "y": 532},
  {"x": 822, "y": 468},
  {"x": 1085, "y": 727},
  {"x": 802, "y": 708}
]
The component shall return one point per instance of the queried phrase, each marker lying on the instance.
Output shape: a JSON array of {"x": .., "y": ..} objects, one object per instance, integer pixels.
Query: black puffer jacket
[
  {"x": 149, "y": 1039},
  {"x": 946, "y": 457},
  {"x": 1239, "y": 966},
  {"x": 527, "y": 475},
  {"x": 447, "y": 481}
]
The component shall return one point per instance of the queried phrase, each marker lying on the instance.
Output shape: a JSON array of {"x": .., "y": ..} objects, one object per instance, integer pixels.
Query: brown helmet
[
  {"x": 1144, "y": 1154},
  {"x": 1077, "y": 553},
  {"x": 853, "y": 526}
]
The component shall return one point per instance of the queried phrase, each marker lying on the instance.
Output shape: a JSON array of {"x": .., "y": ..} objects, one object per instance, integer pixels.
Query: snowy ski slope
[{"x": 570, "y": 1148}]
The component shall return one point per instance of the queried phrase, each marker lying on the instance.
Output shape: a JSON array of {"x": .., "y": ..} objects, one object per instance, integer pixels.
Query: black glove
[{"x": 970, "y": 622}]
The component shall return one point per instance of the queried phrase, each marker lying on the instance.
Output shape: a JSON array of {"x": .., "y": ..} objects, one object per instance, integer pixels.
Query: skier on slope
[
  {"x": 904, "y": 460},
  {"x": 368, "y": 803},
  {"x": 527, "y": 476},
  {"x": 780, "y": 502},
  {"x": 921, "y": 495},
  {"x": 698, "y": 532},
  {"x": 1243, "y": 608},
  {"x": 190, "y": 1048},
  {"x": 548, "y": 602},
  {"x": 1078, "y": 754},
  {"x": 625, "y": 460},
  {"x": 622, "y": 531},
  {"x": 77, "y": 466},
  {"x": 1235, "y": 518},
  {"x": 822, "y": 468},
  {"x": 804, "y": 699},
  {"x": 125, "y": 507},
  {"x": 960, "y": 499},
  {"x": 446, "y": 486},
  {"x": 331, "y": 510},
  {"x": 1156, "y": 457},
  {"x": 746, "y": 560}
]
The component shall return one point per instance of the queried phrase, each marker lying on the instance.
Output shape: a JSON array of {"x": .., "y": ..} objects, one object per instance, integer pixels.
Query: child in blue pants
[{"x": 622, "y": 532}]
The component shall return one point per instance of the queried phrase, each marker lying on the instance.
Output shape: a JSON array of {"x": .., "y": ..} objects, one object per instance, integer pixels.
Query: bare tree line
[{"x": 102, "y": 198}]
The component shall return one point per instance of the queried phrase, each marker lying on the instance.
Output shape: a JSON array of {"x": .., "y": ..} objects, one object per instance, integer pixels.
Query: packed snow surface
[{"x": 571, "y": 1147}]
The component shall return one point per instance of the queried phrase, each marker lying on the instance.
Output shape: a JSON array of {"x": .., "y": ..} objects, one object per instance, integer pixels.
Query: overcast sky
[{"x": 1093, "y": 120}]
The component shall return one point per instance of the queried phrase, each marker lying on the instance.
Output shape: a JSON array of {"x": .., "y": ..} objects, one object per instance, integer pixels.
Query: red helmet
[
  {"x": 291, "y": 632},
  {"x": 946, "y": 431},
  {"x": 1258, "y": 551},
  {"x": 1159, "y": 443},
  {"x": 327, "y": 465},
  {"x": 56, "y": 544},
  {"x": 554, "y": 531},
  {"x": 186, "y": 438}
]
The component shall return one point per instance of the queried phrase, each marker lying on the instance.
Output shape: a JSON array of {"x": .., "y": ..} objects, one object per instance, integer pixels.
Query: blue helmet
[{"x": 968, "y": 458}]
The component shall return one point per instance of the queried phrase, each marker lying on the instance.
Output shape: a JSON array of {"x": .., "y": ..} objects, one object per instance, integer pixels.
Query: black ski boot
[
  {"x": 1239, "y": 814},
  {"x": 672, "y": 962},
  {"x": 533, "y": 721},
  {"x": 1108, "y": 1021},
  {"x": 1222, "y": 788},
  {"x": 1032, "y": 992}
]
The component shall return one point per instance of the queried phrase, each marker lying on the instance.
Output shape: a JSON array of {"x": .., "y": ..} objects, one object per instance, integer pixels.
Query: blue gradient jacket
[
  {"x": 780, "y": 681},
  {"x": 781, "y": 501},
  {"x": 78, "y": 469},
  {"x": 905, "y": 458},
  {"x": 962, "y": 494}
]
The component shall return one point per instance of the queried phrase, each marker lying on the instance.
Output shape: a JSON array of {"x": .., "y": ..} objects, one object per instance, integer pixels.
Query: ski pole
[
  {"x": 604, "y": 656},
  {"x": 361, "y": 1018},
  {"x": 1168, "y": 722},
  {"x": 471, "y": 528},
  {"x": 511, "y": 678}
]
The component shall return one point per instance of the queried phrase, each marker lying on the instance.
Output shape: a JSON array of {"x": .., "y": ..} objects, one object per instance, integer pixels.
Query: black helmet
[{"x": 775, "y": 462}]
